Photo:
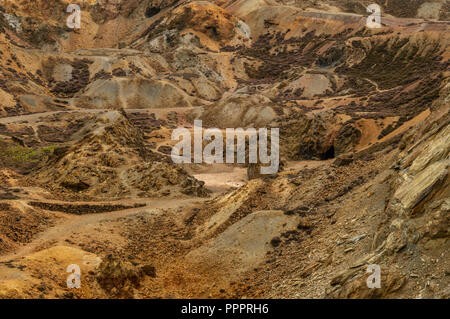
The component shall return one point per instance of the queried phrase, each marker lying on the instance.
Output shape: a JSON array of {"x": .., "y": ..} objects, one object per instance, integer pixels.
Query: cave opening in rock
[
  {"x": 328, "y": 154},
  {"x": 213, "y": 30},
  {"x": 151, "y": 11}
]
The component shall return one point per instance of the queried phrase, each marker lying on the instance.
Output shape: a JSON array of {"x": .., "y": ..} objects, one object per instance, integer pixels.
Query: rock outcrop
[{"x": 110, "y": 160}]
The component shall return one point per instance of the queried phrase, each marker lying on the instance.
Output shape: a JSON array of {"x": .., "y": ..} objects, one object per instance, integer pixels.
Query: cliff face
[
  {"x": 391, "y": 211},
  {"x": 415, "y": 228}
]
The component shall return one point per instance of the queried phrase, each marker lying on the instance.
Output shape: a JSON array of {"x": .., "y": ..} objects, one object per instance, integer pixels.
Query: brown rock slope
[
  {"x": 364, "y": 122},
  {"x": 110, "y": 160},
  {"x": 391, "y": 211}
]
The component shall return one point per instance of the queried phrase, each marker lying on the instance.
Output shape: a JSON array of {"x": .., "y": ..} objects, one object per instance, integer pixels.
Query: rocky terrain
[{"x": 86, "y": 176}]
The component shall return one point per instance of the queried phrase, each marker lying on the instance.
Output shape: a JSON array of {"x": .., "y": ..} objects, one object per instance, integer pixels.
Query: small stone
[
  {"x": 149, "y": 270},
  {"x": 275, "y": 242},
  {"x": 355, "y": 239}
]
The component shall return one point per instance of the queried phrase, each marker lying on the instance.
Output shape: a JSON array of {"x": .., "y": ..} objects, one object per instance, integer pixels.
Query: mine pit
[{"x": 90, "y": 120}]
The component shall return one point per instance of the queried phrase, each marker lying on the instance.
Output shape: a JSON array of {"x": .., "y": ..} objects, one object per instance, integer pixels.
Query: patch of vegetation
[
  {"x": 21, "y": 158},
  {"x": 397, "y": 8},
  {"x": 24, "y": 154},
  {"x": 395, "y": 63},
  {"x": 29, "y": 155},
  {"x": 80, "y": 79},
  {"x": 401, "y": 8}
]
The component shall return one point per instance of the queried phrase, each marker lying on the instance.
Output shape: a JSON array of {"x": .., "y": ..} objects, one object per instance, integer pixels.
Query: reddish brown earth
[{"x": 86, "y": 176}]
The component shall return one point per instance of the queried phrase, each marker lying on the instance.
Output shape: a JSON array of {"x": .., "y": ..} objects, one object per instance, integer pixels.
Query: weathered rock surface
[
  {"x": 110, "y": 160},
  {"x": 364, "y": 137}
]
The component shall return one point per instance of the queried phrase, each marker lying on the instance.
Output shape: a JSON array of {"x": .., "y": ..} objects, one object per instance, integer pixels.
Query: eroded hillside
[{"x": 86, "y": 117}]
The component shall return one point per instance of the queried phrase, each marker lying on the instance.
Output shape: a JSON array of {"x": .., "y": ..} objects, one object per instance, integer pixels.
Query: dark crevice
[
  {"x": 328, "y": 154},
  {"x": 151, "y": 11}
]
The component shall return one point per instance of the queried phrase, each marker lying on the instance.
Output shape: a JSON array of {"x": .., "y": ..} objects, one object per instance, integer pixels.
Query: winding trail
[{"x": 77, "y": 223}]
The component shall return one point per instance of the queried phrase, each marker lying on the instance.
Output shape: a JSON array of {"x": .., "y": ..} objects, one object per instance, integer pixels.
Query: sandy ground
[{"x": 224, "y": 179}]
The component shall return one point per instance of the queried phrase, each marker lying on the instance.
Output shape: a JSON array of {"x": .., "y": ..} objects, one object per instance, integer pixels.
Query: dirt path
[
  {"x": 220, "y": 177},
  {"x": 36, "y": 116},
  {"x": 77, "y": 224}
]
